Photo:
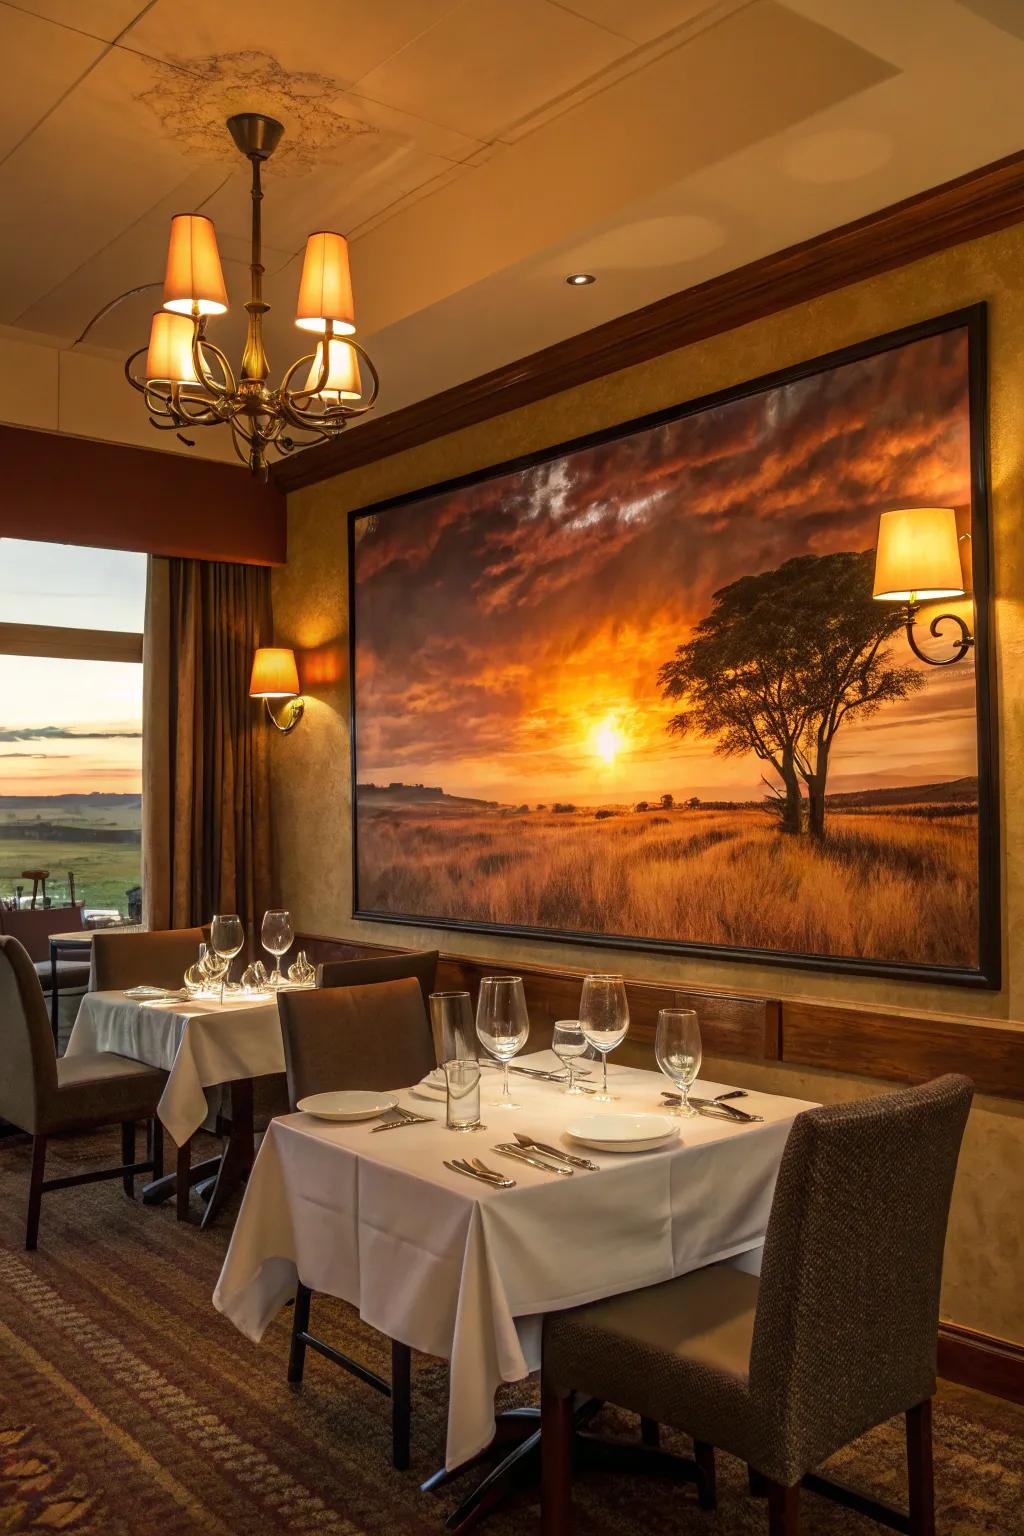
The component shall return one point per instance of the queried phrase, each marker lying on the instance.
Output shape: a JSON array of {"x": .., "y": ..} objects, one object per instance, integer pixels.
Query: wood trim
[
  {"x": 903, "y": 1047},
  {"x": 75, "y": 644},
  {"x": 978, "y": 203},
  {"x": 981, "y": 1361},
  {"x": 884, "y": 1043}
]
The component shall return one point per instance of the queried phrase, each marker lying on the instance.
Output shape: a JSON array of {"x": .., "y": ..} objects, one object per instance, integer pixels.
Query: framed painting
[{"x": 637, "y": 690}]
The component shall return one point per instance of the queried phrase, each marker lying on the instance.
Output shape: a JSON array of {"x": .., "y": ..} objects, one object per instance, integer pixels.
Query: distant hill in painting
[
  {"x": 954, "y": 791},
  {"x": 414, "y": 794}
]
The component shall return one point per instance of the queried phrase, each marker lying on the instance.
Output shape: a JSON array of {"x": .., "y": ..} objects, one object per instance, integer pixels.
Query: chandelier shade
[
  {"x": 169, "y": 355},
  {"x": 325, "y": 288},
  {"x": 194, "y": 280},
  {"x": 343, "y": 381}
]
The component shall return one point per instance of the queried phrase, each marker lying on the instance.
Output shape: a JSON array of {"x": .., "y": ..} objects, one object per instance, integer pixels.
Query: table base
[
  {"x": 225, "y": 1173},
  {"x": 521, "y": 1466}
]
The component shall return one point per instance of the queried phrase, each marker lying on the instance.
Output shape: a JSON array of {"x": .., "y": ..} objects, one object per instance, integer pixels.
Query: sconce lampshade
[
  {"x": 325, "y": 288},
  {"x": 194, "y": 275},
  {"x": 274, "y": 674},
  {"x": 917, "y": 556},
  {"x": 343, "y": 381},
  {"x": 169, "y": 358}
]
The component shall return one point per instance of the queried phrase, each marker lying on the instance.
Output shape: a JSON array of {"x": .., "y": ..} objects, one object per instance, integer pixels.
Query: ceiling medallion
[{"x": 188, "y": 381}]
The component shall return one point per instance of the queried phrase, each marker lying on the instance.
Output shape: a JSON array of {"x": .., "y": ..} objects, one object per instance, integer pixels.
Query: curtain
[{"x": 206, "y": 835}]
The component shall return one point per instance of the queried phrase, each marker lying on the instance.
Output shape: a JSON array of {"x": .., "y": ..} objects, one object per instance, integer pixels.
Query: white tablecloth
[
  {"x": 200, "y": 1045},
  {"x": 455, "y": 1269}
]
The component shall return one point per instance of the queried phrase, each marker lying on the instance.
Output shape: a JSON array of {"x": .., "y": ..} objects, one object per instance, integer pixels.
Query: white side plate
[
  {"x": 351, "y": 1105},
  {"x": 623, "y": 1132}
]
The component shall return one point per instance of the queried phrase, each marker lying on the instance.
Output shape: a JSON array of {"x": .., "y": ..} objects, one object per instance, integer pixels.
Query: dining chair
[
  {"x": 420, "y": 963},
  {"x": 836, "y": 1336},
  {"x": 375, "y": 1036},
  {"x": 159, "y": 959},
  {"x": 46, "y": 1097}
]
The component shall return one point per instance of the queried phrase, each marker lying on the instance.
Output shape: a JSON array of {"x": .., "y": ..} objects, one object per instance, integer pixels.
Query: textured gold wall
[{"x": 311, "y": 767}]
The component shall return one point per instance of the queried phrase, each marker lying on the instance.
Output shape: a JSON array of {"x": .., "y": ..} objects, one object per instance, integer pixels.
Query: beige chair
[
  {"x": 838, "y": 1335},
  {"x": 46, "y": 1097},
  {"x": 160, "y": 959},
  {"x": 422, "y": 964},
  {"x": 356, "y": 1037}
]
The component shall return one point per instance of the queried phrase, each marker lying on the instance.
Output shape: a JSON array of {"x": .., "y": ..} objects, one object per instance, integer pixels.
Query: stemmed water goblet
[
  {"x": 277, "y": 937},
  {"x": 678, "y": 1050},
  {"x": 604, "y": 1019},
  {"x": 502, "y": 1024},
  {"x": 226, "y": 939},
  {"x": 569, "y": 1044}
]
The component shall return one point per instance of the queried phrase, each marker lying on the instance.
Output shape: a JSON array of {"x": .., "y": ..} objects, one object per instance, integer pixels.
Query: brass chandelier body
[{"x": 188, "y": 380}]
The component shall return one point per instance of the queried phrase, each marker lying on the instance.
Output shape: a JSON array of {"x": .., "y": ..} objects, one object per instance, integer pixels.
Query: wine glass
[
  {"x": 604, "y": 1018},
  {"x": 678, "y": 1050},
  {"x": 226, "y": 939},
  {"x": 277, "y": 937},
  {"x": 502, "y": 1024},
  {"x": 568, "y": 1044}
]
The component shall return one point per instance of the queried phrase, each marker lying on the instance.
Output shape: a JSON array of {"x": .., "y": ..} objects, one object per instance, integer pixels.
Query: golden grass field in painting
[{"x": 885, "y": 885}]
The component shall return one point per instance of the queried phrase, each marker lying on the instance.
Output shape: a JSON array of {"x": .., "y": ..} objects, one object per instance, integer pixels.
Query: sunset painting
[{"x": 640, "y": 690}]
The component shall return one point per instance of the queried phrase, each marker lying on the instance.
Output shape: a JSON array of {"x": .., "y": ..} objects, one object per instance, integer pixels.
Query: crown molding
[{"x": 972, "y": 205}]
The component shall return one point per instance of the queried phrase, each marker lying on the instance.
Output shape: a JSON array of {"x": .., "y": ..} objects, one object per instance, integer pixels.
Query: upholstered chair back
[
  {"x": 422, "y": 964},
  {"x": 28, "y": 1063},
  {"x": 848, "y": 1305},
  {"x": 355, "y": 1037},
  {"x": 160, "y": 959}
]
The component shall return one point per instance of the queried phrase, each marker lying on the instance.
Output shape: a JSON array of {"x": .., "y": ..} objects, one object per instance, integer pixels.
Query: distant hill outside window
[{"x": 71, "y": 723}]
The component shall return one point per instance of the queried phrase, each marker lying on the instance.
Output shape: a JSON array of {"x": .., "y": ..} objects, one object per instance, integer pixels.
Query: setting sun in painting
[{"x": 638, "y": 689}]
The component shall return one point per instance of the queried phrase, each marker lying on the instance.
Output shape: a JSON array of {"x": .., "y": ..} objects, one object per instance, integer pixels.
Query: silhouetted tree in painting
[{"x": 780, "y": 662}]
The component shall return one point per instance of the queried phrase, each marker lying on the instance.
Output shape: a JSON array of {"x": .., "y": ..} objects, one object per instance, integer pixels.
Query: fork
[
  {"x": 494, "y": 1180},
  {"x": 405, "y": 1118}
]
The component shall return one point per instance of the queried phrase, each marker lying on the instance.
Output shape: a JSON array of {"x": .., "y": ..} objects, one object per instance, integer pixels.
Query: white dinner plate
[
  {"x": 624, "y": 1132},
  {"x": 351, "y": 1105},
  {"x": 433, "y": 1086}
]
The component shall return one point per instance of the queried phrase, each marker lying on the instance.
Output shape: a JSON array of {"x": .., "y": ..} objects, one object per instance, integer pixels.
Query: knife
[
  {"x": 507, "y": 1150},
  {"x": 527, "y": 1142}
]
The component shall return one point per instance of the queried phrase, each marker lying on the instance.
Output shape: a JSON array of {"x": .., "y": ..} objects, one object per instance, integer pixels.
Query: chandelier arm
[
  {"x": 140, "y": 384},
  {"x": 201, "y": 343}
]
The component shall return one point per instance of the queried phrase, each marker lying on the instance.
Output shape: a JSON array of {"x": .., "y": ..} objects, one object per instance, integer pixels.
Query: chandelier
[{"x": 188, "y": 382}]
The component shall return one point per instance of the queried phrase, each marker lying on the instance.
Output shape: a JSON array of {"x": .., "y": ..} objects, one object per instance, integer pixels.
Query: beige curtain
[{"x": 206, "y": 835}]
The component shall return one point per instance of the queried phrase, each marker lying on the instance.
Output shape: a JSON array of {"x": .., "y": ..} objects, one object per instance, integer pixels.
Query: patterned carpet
[{"x": 129, "y": 1407}]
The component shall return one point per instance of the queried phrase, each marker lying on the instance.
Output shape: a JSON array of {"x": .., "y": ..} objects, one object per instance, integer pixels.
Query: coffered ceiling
[{"x": 474, "y": 150}]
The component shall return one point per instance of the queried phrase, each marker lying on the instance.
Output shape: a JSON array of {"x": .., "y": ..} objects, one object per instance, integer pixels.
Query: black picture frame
[{"x": 973, "y": 319}]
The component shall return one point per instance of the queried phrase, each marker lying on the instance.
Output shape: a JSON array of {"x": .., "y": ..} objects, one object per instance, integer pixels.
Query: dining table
[
  {"x": 206, "y": 1046},
  {"x": 465, "y": 1271}
]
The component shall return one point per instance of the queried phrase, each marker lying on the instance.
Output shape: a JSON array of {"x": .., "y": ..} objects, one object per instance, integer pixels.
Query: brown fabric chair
[
  {"x": 355, "y": 1037},
  {"x": 123, "y": 960},
  {"x": 422, "y": 964},
  {"x": 838, "y": 1335},
  {"x": 44, "y": 1096}
]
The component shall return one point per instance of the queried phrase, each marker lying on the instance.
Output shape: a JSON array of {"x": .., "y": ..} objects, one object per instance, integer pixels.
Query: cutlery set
[{"x": 720, "y": 1108}]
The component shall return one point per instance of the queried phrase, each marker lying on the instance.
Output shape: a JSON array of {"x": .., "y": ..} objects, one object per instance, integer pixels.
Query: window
[{"x": 71, "y": 723}]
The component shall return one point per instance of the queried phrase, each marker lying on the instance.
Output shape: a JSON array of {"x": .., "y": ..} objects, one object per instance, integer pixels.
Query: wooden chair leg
[
  {"x": 704, "y": 1456},
  {"x": 757, "y": 1483},
  {"x": 128, "y": 1155},
  {"x": 35, "y": 1191},
  {"x": 183, "y": 1167},
  {"x": 556, "y": 1428},
  {"x": 300, "y": 1324},
  {"x": 650, "y": 1433},
  {"x": 156, "y": 1147},
  {"x": 920, "y": 1469},
  {"x": 783, "y": 1509},
  {"x": 401, "y": 1404}
]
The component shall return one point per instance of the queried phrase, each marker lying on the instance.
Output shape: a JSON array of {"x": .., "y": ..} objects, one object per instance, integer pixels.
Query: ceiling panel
[
  {"x": 491, "y": 63},
  {"x": 41, "y": 62},
  {"x": 99, "y": 18},
  {"x": 318, "y": 37},
  {"x": 641, "y": 20}
]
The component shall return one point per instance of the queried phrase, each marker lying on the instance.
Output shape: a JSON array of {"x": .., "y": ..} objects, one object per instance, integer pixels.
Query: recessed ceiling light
[{"x": 580, "y": 279}]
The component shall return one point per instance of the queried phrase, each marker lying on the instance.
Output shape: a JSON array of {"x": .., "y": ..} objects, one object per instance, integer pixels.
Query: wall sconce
[
  {"x": 275, "y": 676},
  {"x": 917, "y": 559}
]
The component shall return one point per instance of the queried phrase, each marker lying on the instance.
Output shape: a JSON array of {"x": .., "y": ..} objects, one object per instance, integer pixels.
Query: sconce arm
[
  {"x": 960, "y": 647},
  {"x": 293, "y": 714}
]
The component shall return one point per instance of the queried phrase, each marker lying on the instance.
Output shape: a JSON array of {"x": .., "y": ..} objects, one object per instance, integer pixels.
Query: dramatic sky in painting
[{"x": 510, "y": 634}]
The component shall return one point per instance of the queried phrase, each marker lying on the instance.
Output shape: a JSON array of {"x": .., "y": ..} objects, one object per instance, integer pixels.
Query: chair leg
[
  {"x": 757, "y": 1483},
  {"x": 35, "y": 1190},
  {"x": 156, "y": 1147},
  {"x": 783, "y": 1509},
  {"x": 401, "y": 1404},
  {"x": 920, "y": 1469},
  {"x": 183, "y": 1167},
  {"x": 128, "y": 1155},
  {"x": 650, "y": 1433},
  {"x": 704, "y": 1456},
  {"x": 556, "y": 1428},
  {"x": 300, "y": 1324}
]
